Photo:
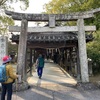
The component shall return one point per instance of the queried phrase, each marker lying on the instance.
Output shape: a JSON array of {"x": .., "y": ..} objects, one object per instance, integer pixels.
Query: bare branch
[{"x": 2, "y": 2}]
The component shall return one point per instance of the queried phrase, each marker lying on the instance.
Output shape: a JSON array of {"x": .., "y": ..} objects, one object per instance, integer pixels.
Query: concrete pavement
[{"x": 55, "y": 84}]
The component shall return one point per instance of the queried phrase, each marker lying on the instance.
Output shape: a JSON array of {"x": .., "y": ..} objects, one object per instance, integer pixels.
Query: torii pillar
[
  {"x": 82, "y": 51},
  {"x": 21, "y": 61},
  {"x": 22, "y": 49}
]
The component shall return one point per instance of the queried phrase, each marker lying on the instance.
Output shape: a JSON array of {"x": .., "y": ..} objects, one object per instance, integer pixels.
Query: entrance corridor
[{"x": 53, "y": 75}]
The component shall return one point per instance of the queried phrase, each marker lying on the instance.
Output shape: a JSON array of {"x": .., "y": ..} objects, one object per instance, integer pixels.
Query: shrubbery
[{"x": 93, "y": 52}]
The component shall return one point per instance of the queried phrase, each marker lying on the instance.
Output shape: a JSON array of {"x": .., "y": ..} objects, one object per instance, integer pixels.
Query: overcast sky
[{"x": 35, "y": 6}]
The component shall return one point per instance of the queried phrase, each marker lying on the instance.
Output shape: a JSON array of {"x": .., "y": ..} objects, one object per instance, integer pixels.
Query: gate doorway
[{"x": 44, "y": 32}]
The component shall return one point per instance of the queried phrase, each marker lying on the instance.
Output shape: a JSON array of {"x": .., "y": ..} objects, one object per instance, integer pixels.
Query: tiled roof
[{"x": 51, "y": 37}]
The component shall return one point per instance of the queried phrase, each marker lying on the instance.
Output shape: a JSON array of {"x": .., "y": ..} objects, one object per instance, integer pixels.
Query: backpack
[{"x": 3, "y": 76}]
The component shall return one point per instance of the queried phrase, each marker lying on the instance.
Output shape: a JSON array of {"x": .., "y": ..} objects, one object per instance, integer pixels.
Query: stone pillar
[
  {"x": 78, "y": 66},
  {"x": 82, "y": 51},
  {"x": 3, "y": 47},
  {"x": 51, "y": 21},
  {"x": 22, "y": 49}
]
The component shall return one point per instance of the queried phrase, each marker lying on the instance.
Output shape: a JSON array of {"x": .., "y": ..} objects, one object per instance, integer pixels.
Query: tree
[
  {"x": 5, "y": 20},
  {"x": 12, "y": 47},
  {"x": 6, "y": 4},
  {"x": 68, "y": 6},
  {"x": 93, "y": 51},
  {"x": 65, "y": 6},
  {"x": 57, "y": 6}
]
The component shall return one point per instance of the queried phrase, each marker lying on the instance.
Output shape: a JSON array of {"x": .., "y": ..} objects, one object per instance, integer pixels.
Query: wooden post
[
  {"x": 22, "y": 49},
  {"x": 31, "y": 61},
  {"x": 70, "y": 61},
  {"x": 82, "y": 51},
  {"x": 35, "y": 55}
]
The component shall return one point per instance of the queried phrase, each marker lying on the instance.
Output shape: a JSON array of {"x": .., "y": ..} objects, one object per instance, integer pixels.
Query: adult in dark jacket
[{"x": 40, "y": 65}]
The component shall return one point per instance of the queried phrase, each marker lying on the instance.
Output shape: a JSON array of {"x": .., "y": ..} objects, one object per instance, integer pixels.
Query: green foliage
[
  {"x": 56, "y": 6},
  {"x": 12, "y": 47},
  {"x": 5, "y": 20},
  {"x": 93, "y": 51},
  {"x": 68, "y": 6},
  {"x": 65, "y": 6},
  {"x": 5, "y": 4}
]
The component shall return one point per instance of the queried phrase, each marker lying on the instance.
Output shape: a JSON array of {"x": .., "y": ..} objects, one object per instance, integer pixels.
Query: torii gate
[{"x": 80, "y": 28}]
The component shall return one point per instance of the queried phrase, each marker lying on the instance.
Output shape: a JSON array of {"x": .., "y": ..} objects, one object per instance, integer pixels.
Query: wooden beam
[
  {"x": 56, "y": 29},
  {"x": 50, "y": 45}
]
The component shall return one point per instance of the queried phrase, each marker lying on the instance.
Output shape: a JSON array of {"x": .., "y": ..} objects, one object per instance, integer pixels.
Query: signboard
[{"x": 3, "y": 47}]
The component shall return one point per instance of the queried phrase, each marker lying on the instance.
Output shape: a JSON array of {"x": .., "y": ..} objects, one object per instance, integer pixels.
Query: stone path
[{"x": 55, "y": 84}]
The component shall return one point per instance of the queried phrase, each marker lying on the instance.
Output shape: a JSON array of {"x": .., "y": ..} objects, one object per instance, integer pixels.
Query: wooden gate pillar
[
  {"x": 22, "y": 49},
  {"x": 82, "y": 51},
  {"x": 31, "y": 58}
]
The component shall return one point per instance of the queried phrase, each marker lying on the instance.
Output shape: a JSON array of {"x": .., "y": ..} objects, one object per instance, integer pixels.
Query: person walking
[
  {"x": 7, "y": 86},
  {"x": 40, "y": 65}
]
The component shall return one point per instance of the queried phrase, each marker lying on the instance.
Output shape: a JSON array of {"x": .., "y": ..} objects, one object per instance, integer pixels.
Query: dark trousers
[
  {"x": 40, "y": 71},
  {"x": 6, "y": 88}
]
